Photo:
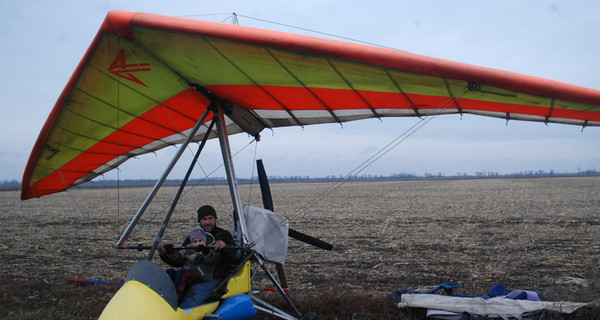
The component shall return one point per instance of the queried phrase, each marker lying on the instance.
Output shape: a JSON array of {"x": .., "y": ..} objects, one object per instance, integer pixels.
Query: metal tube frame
[
  {"x": 270, "y": 309},
  {"x": 162, "y": 179},
  {"x": 277, "y": 285},
  {"x": 241, "y": 232},
  {"x": 241, "y": 228},
  {"x": 163, "y": 227}
]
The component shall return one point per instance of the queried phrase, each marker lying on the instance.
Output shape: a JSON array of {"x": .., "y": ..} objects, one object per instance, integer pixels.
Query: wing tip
[{"x": 119, "y": 23}]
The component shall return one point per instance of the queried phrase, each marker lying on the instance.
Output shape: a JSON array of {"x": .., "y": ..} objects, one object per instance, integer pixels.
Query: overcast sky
[{"x": 43, "y": 41}]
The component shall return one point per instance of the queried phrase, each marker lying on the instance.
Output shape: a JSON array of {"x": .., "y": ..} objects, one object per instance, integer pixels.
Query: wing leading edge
[{"x": 133, "y": 91}]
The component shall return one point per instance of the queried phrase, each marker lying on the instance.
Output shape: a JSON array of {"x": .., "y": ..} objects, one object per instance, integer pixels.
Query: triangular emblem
[{"x": 120, "y": 68}]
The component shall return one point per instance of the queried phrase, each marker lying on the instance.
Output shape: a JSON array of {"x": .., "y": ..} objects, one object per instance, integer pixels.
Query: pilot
[{"x": 207, "y": 217}]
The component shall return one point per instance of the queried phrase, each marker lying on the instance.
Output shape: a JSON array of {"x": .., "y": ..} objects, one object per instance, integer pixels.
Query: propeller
[{"x": 268, "y": 204}]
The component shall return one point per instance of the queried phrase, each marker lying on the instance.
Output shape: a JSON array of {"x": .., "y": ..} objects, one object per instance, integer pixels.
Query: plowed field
[{"x": 540, "y": 234}]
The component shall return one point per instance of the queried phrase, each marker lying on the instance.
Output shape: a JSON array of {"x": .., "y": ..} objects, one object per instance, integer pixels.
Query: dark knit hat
[{"x": 206, "y": 210}]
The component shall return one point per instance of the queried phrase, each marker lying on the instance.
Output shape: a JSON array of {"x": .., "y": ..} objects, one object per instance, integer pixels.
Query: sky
[{"x": 43, "y": 41}]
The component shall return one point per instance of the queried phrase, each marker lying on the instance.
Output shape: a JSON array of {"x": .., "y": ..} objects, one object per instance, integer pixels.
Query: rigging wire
[
  {"x": 234, "y": 20},
  {"x": 315, "y": 31},
  {"x": 377, "y": 155},
  {"x": 252, "y": 173},
  {"x": 118, "y": 144},
  {"x": 168, "y": 114},
  {"x": 354, "y": 172},
  {"x": 230, "y": 15},
  {"x": 369, "y": 161},
  {"x": 383, "y": 151},
  {"x": 205, "y": 15},
  {"x": 151, "y": 217},
  {"x": 207, "y": 176}
]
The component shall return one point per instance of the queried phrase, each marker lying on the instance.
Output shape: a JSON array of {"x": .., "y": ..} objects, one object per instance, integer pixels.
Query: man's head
[
  {"x": 207, "y": 217},
  {"x": 198, "y": 237}
]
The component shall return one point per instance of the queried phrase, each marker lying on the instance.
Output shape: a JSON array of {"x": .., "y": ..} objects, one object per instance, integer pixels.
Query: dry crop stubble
[{"x": 388, "y": 235}]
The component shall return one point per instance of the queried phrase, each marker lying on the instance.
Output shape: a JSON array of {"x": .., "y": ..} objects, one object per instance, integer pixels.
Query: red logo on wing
[{"x": 120, "y": 68}]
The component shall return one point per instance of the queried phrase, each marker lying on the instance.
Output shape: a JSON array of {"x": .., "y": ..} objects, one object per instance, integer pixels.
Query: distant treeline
[{"x": 16, "y": 185}]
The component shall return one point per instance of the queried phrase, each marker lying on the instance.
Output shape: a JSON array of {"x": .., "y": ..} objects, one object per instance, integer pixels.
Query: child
[{"x": 195, "y": 279}]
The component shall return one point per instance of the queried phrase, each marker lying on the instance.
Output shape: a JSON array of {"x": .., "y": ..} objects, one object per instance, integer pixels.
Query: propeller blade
[
  {"x": 268, "y": 204},
  {"x": 310, "y": 240},
  {"x": 265, "y": 190}
]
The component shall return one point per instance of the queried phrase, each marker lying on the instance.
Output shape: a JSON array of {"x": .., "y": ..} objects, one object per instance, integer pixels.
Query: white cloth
[
  {"x": 494, "y": 306},
  {"x": 267, "y": 232}
]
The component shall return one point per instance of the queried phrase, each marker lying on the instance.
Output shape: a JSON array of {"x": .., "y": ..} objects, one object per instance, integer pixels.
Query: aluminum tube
[
  {"x": 241, "y": 232},
  {"x": 162, "y": 179}
]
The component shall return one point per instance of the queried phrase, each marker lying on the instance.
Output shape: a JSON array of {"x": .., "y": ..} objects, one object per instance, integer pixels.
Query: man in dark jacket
[{"x": 207, "y": 217}]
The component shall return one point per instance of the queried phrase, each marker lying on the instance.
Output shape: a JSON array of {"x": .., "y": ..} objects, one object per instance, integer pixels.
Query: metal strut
[
  {"x": 180, "y": 191},
  {"x": 162, "y": 179},
  {"x": 277, "y": 285},
  {"x": 240, "y": 230}
]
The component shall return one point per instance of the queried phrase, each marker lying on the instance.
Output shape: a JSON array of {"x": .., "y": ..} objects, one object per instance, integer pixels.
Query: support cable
[
  {"x": 389, "y": 147},
  {"x": 365, "y": 164}
]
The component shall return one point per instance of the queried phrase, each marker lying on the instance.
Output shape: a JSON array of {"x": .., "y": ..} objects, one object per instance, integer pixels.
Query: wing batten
[
  {"x": 94, "y": 157},
  {"x": 114, "y": 128},
  {"x": 397, "y": 85},
  {"x": 550, "y": 110},
  {"x": 452, "y": 95},
  {"x": 302, "y": 84},
  {"x": 349, "y": 84},
  {"x": 254, "y": 82}
]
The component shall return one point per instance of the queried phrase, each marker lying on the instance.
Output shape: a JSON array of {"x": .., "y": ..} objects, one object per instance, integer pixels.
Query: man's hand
[
  {"x": 219, "y": 245},
  {"x": 164, "y": 248}
]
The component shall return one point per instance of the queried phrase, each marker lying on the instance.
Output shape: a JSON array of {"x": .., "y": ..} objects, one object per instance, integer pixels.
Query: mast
[{"x": 239, "y": 219}]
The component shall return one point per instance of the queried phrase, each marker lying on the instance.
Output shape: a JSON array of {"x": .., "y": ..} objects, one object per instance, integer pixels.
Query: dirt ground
[{"x": 540, "y": 234}]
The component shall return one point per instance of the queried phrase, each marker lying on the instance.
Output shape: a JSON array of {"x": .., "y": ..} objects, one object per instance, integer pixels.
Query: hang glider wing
[{"x": 133, "y": 91}]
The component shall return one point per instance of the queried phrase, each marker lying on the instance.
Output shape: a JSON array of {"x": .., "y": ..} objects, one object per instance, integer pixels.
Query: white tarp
[
  {"x": 494, "y": 306},
  {"x": 268, "y": 232}
]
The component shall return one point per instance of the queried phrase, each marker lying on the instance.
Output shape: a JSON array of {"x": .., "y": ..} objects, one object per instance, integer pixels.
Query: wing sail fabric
[{"x": 132, "y": 92}]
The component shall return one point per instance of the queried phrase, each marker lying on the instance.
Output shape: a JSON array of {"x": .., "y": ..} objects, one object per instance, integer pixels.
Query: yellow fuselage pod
[
  {"x": 240, "y": 282},
  {"x": 135, "y": 300}
]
